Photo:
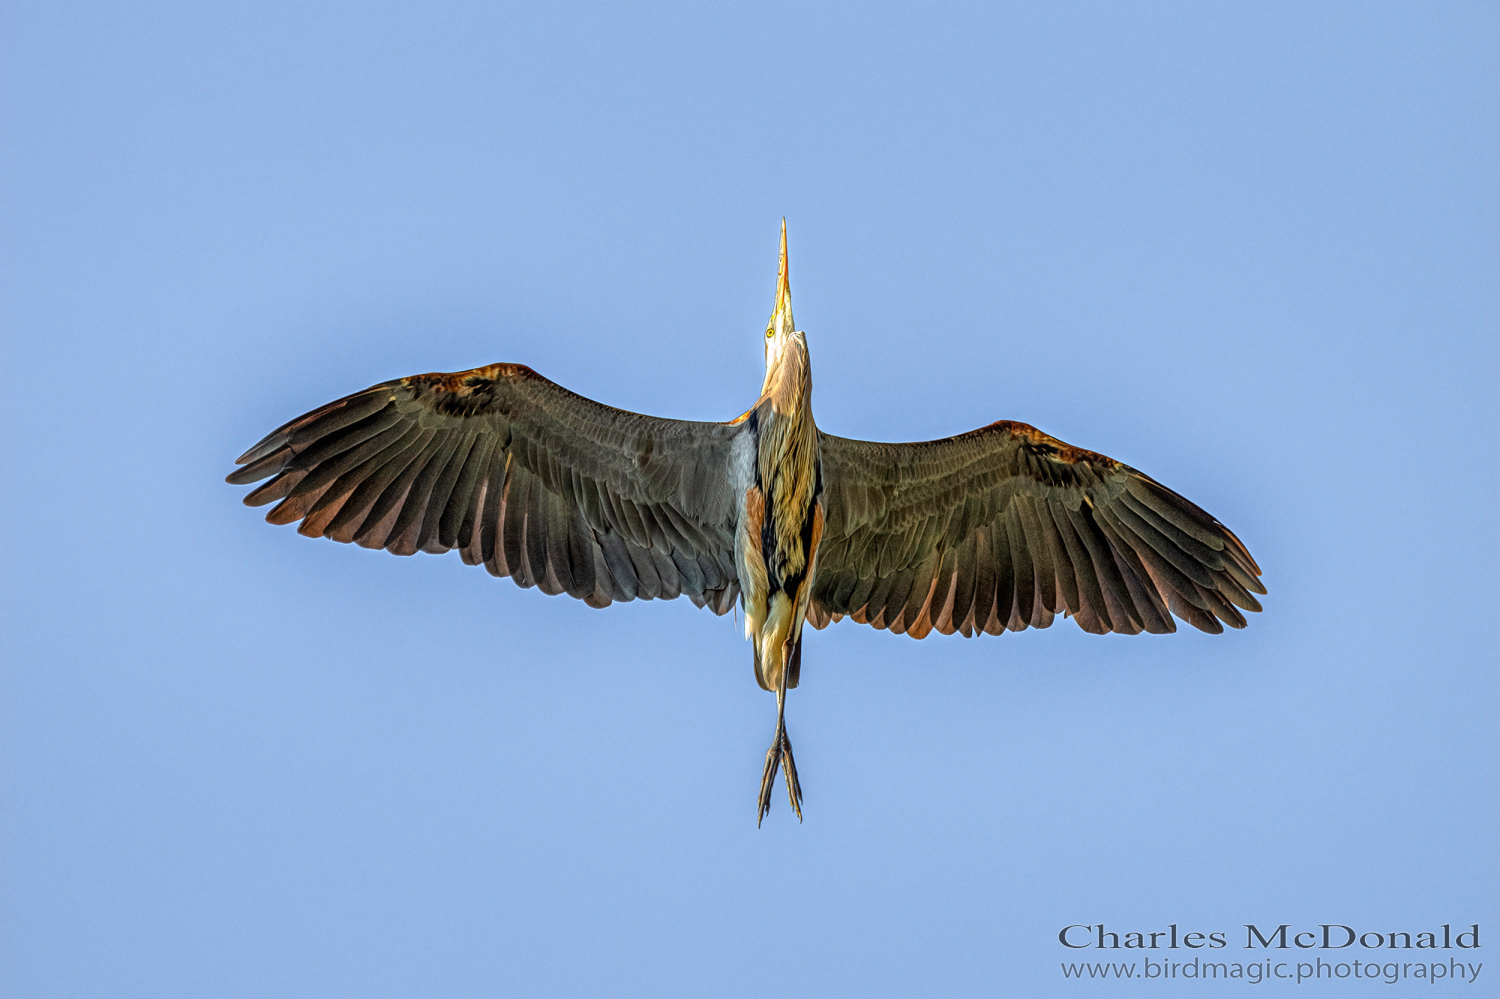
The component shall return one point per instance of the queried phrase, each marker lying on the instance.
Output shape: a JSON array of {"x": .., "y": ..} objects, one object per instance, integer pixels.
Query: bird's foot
[
  {"x": 779, "y": 757},
  {"x": 789, "y": 768},
  {"x": 768, "y": 778}
]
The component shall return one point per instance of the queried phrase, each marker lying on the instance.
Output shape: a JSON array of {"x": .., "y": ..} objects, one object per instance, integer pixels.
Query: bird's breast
[{"x": 790, "y": 482}]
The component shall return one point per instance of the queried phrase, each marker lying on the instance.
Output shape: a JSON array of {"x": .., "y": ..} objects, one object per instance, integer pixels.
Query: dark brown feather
[
  {"x": 524, "y": 477},
  {"x": 1031, "y": 527}
]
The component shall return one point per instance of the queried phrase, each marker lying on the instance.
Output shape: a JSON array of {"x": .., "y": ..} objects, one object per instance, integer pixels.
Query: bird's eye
[{"x": 770, "y": 333}]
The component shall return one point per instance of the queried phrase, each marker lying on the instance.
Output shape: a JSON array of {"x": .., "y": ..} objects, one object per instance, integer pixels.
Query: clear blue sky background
[{"x": 1251, "y": 251}]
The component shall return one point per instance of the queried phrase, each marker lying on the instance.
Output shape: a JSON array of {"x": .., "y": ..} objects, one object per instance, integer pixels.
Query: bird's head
[{"x": 783, "y": 340}]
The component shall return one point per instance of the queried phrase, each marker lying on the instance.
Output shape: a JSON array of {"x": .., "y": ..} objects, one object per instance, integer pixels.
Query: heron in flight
[{"x": 998, "y": 529}]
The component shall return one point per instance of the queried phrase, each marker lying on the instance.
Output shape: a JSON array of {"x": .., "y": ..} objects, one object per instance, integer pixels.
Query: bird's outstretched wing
[
  {"x": 1006, "y": 527},
  {"x": 522, "y": 476}
]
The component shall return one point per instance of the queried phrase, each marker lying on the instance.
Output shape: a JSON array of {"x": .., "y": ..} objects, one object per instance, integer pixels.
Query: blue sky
[{"x": 1250, "y": 251}]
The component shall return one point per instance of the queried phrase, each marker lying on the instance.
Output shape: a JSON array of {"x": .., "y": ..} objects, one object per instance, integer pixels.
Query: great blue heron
[{"x": 1000, "y": 528}]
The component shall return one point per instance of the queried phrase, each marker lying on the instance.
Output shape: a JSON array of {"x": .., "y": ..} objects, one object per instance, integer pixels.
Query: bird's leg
[
  {"x": 780, "y": 753},
  {"x": 774, "y": 754}
]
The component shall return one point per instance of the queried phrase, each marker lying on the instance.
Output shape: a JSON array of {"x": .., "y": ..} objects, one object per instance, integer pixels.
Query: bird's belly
[{"x": 775, "y": 606}]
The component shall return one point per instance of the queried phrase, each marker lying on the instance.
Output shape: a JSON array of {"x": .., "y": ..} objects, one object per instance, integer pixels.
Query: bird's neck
[
  {"x": 788, "y": 384},
  {"x": 787, "y": 436}
]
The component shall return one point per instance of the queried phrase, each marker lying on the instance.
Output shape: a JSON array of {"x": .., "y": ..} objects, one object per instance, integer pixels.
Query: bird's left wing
[
  {"x": 523, "y": 476},
  {"x": 1005, "y": 527}
]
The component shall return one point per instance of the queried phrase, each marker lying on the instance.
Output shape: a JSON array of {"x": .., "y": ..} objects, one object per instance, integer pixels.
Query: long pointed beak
[{"x": 781, "y": 319}]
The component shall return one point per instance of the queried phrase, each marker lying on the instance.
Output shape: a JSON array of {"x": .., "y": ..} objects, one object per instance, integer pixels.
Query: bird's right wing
[
  {"x": 524, "y": 477},
  {"x": 1004, "y": 527}
]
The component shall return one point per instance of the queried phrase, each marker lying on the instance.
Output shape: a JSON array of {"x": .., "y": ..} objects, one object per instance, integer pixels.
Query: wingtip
[{"x": 275, "y": 439}]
